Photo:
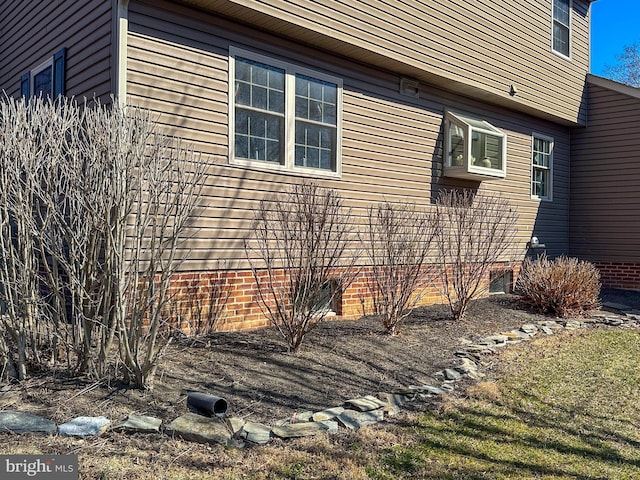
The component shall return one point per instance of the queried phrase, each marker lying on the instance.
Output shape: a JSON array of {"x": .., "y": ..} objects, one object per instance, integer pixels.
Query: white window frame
[
  {"x": 47, "y": 64},
  {"x": 466, "y": 167},
  {"x": 549, "y": 169},
  {"x": 568, "y": 27},
  {"x": 291, "y": 70}
]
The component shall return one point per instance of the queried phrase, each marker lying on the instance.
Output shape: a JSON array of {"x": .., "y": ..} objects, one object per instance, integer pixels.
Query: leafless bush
[
  {"x": 474, "y": 231},
  {"x": 397, "y": 241},
  {"x": 93, "y": 205},
  {"x": 564, "y": 287},
  {"x": 300, "y": 240}
]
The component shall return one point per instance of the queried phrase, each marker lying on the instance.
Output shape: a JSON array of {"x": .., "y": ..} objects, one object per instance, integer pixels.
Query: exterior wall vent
[{"x": 410, "y": 87}]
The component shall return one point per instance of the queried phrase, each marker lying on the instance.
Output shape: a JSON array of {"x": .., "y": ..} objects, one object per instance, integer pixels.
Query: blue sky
[{"x": 614, "y": 24}]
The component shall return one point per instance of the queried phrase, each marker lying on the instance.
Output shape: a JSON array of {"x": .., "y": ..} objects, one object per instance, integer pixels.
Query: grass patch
[{"x": 565, "y": 408}]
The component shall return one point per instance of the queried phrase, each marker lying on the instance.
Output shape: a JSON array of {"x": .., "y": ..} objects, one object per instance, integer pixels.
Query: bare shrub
[
  {"x": 473, "y": 232},
  {"x": 94, "y": 202},
  {"x": 565, "y": 286},
  {"x": 397, "y": 241},
  {"x": 299, "y": 258}
]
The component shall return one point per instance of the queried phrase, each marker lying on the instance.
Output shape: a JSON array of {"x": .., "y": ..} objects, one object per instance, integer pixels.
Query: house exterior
[
  {"x": 396, "y": 100},
  {"x": 604, "y": 218}
]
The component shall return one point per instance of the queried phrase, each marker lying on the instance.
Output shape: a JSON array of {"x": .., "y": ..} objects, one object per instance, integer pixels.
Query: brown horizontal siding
[
  {"x": 605, "y": 200},
  {"x": 484, "y": 44},
  {"x": 391, "y": 146},
  {"x": 29, "y": 36}
]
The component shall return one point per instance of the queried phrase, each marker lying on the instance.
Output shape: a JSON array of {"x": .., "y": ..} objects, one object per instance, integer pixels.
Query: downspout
[{"x": 121, "y": 28}]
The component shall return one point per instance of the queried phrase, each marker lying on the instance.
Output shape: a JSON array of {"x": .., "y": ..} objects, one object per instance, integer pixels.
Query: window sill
[
  {"x": 474, "y": 173},
  {"x": 277, "y": 168}
]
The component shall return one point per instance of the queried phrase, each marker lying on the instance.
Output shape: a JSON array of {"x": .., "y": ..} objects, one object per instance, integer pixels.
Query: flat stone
[
  {"x": 529, "y": 328},
  {"x": 296, "y": 430},
  {"x": 614, "y": 321},
  {"x": 364, "y": 404},
  {"x": 451, "y": 374},
  {"x": 256, "y": 433},
  {"x": 302, "y": 417},
  {"x": 354, "y": 420},
  {"x": 139, "y": 424},
  {"x": 429, "y": 389},
  {"x": 330, "y": 425},
  {"x": 20, "y": 422},
  {"x": 546, "y": 330},
  {"x": 84, "y": 427},
  {"x": 520, "y": 335},
  {"x": 470, "y": 355},
  {"x": 467, "y": 366},
  {"x": 495, "y": 339},
  {"x": 393, "y": 398},
  {"x": 327, "y": 414},
  {"x": 573, "y": 325},
  {"x": 198, "y": 428},
  {"x": 550, "y": 324},
  {"x": 235, "y": 424}
]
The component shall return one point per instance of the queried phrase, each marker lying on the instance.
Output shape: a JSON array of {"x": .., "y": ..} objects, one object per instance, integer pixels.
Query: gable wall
[{"x": 29, "y": 36}]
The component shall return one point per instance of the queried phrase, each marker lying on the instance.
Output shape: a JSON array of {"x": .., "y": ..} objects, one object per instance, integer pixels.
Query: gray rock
[
  {"x": 364, "y": 404},
  {"x": 451, "y": 374},
  {"x": 198, "y": 428},
  {"x": 330, "y": 425},
  {"x": 327, "y": 414},
  {"x": 296, "y": 430},
  {"x": 302, "y": 417},
  {"x": 429, "y": 389},
  {"x": 235, "y": 424},
  {"x": 572, "y": 325},
  {"x": 354, "y": 420},
  {"x": 467, "y": 366},
  {"x": 546, "y": 330},
  {"x": 20, "y": 422},
  {"x": 494, "y": 340},
  {"x": 84, "y": 427},
  {"x": 529, "y": 328},
  {"x": 256, "y": 433},
  {"x": 393, "y": 399},
  {"x": 515, "y": 335},
  {"x": 139, "y": 424},
  {"x": 550, "y": 324},
  {"x": 613, "y": 321}
]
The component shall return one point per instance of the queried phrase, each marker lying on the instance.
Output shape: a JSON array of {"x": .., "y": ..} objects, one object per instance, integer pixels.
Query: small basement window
[
  {"x": 474, "y": 149},
  {"x": 500, "y": 281}
]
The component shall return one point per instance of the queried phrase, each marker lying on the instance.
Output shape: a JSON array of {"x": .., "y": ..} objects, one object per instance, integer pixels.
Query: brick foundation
[
  {"x": 193, "y": 298},
  {"x": 619, "y": 275}
]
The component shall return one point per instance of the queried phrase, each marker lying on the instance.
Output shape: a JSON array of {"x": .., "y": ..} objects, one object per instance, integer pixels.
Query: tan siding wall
[
  {"x": 483, "y": 45},
  {"x": 28, "y": 36},
  {"x": 177, "y": 66},
  {"x": 605, "y": 171}
]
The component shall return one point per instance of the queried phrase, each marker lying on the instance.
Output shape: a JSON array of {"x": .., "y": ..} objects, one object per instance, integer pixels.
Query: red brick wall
[
  {"x": 619, "y": 275},
  {"x": 192, "y": 298}
]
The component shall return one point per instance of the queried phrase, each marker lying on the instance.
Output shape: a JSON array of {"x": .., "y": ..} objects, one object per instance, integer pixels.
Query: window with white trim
[
  {"x": 561, "y": 27},
  {"x": 47, "y": 79},
  {"x": 474, "y": 148},
  {"x": 283, "y": 116},
  {"x": 542, "y": 167}
]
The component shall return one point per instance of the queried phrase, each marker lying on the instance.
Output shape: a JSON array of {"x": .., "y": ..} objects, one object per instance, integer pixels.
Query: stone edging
[{"x": 353, "y": 414}]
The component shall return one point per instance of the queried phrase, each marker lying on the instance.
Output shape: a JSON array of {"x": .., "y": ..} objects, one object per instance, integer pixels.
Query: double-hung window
[
  {"x": 542, "y": 167},
  {"x": 561, "y": 28},
  {"x": 283, "y": 116},
  {"x": 47, "y": 79}
]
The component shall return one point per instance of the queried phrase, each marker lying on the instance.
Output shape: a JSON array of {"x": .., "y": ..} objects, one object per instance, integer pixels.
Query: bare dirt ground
[{"x": 263, "y": 383}]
